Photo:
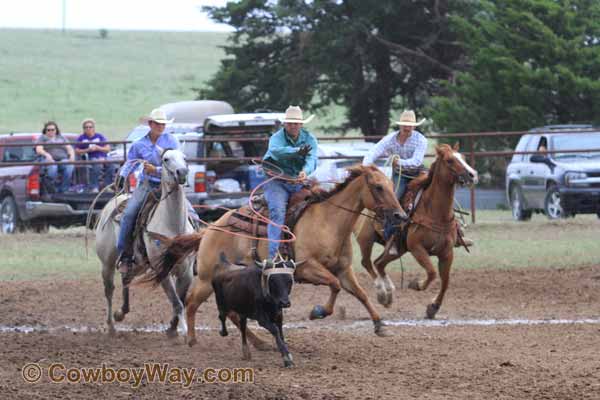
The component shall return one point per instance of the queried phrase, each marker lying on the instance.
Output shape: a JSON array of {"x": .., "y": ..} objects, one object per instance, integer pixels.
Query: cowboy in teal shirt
[
  {"x": 293, "y": 151},
  {"x": 283, "y": 152}
]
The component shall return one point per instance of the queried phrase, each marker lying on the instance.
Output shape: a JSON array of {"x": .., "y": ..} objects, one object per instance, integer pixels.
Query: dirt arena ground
[{"x": 336, "y": 358}]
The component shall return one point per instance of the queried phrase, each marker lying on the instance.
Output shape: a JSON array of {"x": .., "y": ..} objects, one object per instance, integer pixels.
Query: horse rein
[{"x": 378, "y": 203}]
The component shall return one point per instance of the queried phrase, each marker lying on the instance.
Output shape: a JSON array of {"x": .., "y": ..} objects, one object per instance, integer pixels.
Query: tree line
[{"x": 467, "y": 65}]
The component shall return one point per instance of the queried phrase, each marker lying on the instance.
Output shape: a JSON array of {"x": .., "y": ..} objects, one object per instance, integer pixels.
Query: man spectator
[{"x": 92, "y": 146}]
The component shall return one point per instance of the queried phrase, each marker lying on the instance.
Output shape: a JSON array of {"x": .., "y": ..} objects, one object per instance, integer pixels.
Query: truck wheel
[
  {"x": 516, "y": 204},
  {"x": 552, "y": 206},
  {"x": 9, "y": 216}
]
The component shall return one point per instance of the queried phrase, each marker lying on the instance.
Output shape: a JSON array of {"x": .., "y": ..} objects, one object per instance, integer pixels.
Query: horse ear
[{"x": 456, "y": 146}]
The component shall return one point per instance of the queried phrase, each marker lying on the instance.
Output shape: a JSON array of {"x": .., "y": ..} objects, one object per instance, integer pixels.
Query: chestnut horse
[
  {"x": 432, "y": 229},
  {"x": 323, "y": 246}
]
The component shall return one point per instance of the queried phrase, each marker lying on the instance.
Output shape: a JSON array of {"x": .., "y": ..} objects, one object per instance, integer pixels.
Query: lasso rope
[{"x": 284, "y": 228}]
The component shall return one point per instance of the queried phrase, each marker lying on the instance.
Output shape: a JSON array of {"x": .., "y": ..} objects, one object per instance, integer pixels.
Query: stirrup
[
  {"x": 125, "y": 264},
  {"x": 467, "y": 242},
  {"x": 390, "y": 246},
  {"x": 127, "y": 273}
]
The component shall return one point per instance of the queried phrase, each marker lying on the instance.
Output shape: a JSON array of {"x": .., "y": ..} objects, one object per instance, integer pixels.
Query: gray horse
[{"x": 170, "y": 218}]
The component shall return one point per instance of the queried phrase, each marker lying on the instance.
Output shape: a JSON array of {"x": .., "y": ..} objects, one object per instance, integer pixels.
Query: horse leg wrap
[{"x": 318, "y": 312}]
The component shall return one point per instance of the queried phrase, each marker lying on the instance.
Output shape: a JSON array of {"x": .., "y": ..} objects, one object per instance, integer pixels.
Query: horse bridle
[
  {"x": 458, "y": 178},
  {"x": 172, "y": 187},
  {"x": 378, "y": 203}
]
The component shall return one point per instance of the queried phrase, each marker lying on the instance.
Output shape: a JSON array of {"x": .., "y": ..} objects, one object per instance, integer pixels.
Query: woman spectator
[{"x": 50, "y": 149}]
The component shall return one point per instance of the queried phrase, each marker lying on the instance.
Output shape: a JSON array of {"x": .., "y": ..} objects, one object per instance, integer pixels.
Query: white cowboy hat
[
  {"x": 293, "y": 114},
  {"x": 159, "y": 116},
  {"x": 408, "y": 118}
]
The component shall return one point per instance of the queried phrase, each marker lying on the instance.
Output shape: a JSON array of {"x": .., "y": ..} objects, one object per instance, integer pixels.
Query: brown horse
[
  {"x": 432, "y": 230},
  {"x": 323, "y": 246}
]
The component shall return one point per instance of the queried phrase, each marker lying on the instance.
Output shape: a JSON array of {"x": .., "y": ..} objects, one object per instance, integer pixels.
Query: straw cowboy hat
[
  {"x": 293, "y": 114},
  {"x": 159, "y": 116},
  {"x": 408, "y": 118}
]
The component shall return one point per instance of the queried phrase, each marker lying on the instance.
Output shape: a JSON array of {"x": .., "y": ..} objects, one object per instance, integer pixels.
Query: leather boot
[{"x": 126, "y": 268}]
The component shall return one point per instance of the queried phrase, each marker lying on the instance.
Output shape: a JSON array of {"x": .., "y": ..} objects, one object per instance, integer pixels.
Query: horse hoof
[
  {"x": 414, "y": 284},
  {"x": 171, "y": 333},
  {"x": 380, "y": 329},
  {"x": 382, "y": 297},
  {"x": 119, "y": 315},
  {"x": 389, "y": 299},
  {"x": 223, "y": 333},
  {"x": 192, "y": 341},
  {"x": 432, "y": 309},
  {"x": 112, "y": 331},
  {"x": 288, "y": 361},
  {"x": 246, "y": 356},
  {"x": 261, "y": 346},
  {"x": 318, "y": 312}
]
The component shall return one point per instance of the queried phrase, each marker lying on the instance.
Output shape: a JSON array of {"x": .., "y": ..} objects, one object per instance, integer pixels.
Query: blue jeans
[
  {"x": 277, "y": 194},
  {"x": 134, "y": 204},
  {"x": 388, "y": 227},
  {"x": 95, "y": 172},
  {"x": 66, "y": 172}
]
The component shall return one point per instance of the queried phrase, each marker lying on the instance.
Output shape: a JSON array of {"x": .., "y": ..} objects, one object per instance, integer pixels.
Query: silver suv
[{"x": 555, "y": 181}]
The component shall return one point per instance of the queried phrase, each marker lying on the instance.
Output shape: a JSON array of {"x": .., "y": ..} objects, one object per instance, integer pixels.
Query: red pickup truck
[{"x": 23, "y": 203}]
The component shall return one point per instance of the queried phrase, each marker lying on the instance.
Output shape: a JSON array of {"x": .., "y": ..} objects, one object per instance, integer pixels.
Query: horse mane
[
  {"x": 427, "y": 182},
  {"x": 319, "y": 194}
]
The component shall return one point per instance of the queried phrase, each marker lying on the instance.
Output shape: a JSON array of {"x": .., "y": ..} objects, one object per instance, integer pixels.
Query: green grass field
[
  {"x": 500, "y": 243},
  {"x": 66, "y": 77}
]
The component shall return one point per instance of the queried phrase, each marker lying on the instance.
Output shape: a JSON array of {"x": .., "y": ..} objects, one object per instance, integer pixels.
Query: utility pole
[{"x": 64, "y": 16}]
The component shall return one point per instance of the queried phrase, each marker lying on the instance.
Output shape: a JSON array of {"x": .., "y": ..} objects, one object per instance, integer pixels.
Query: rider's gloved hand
[
  {"x": 304, "y": 150},
  {"x": 120, "y": 183}
]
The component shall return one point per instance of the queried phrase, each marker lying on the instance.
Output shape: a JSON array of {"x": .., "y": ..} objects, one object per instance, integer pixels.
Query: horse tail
[{"x": 176, "y": 249}]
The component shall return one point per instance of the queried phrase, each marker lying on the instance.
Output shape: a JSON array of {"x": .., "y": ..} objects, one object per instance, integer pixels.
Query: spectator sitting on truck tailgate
[
  {"x": 51, "y": 135},
  {"x": 92, "y": 146}
]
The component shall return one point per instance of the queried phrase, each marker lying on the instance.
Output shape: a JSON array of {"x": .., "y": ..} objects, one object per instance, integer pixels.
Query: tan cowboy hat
[
  {"x": 408, "y": 118},
  {"x": 293, "y": 114},
  {"x": 159, "y": 116}
]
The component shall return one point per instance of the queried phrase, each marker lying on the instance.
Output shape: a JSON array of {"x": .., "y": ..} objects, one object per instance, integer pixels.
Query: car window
[
  {"x": 18, "y": 154},
  {"x": 254, "y": 149},
  {"x": 189, "y": 148},
  {"x": 564, "y": 143},
  {"x": 533, "y": 145}
]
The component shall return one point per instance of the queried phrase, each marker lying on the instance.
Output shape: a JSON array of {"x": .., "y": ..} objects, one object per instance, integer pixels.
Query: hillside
[{"x": 45, "y": 75}]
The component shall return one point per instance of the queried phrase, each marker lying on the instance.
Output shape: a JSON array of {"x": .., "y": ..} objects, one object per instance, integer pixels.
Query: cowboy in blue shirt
[
  {"x": 147, "y": 150},
  {"x": 293, "y": 151}
]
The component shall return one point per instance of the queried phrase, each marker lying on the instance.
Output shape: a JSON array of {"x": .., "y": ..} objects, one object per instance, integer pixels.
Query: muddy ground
[{"x": 336, "y": 358}]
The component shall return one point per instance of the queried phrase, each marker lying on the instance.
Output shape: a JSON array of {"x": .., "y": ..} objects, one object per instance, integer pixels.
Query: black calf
[{"x": 256, "y": 292}]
